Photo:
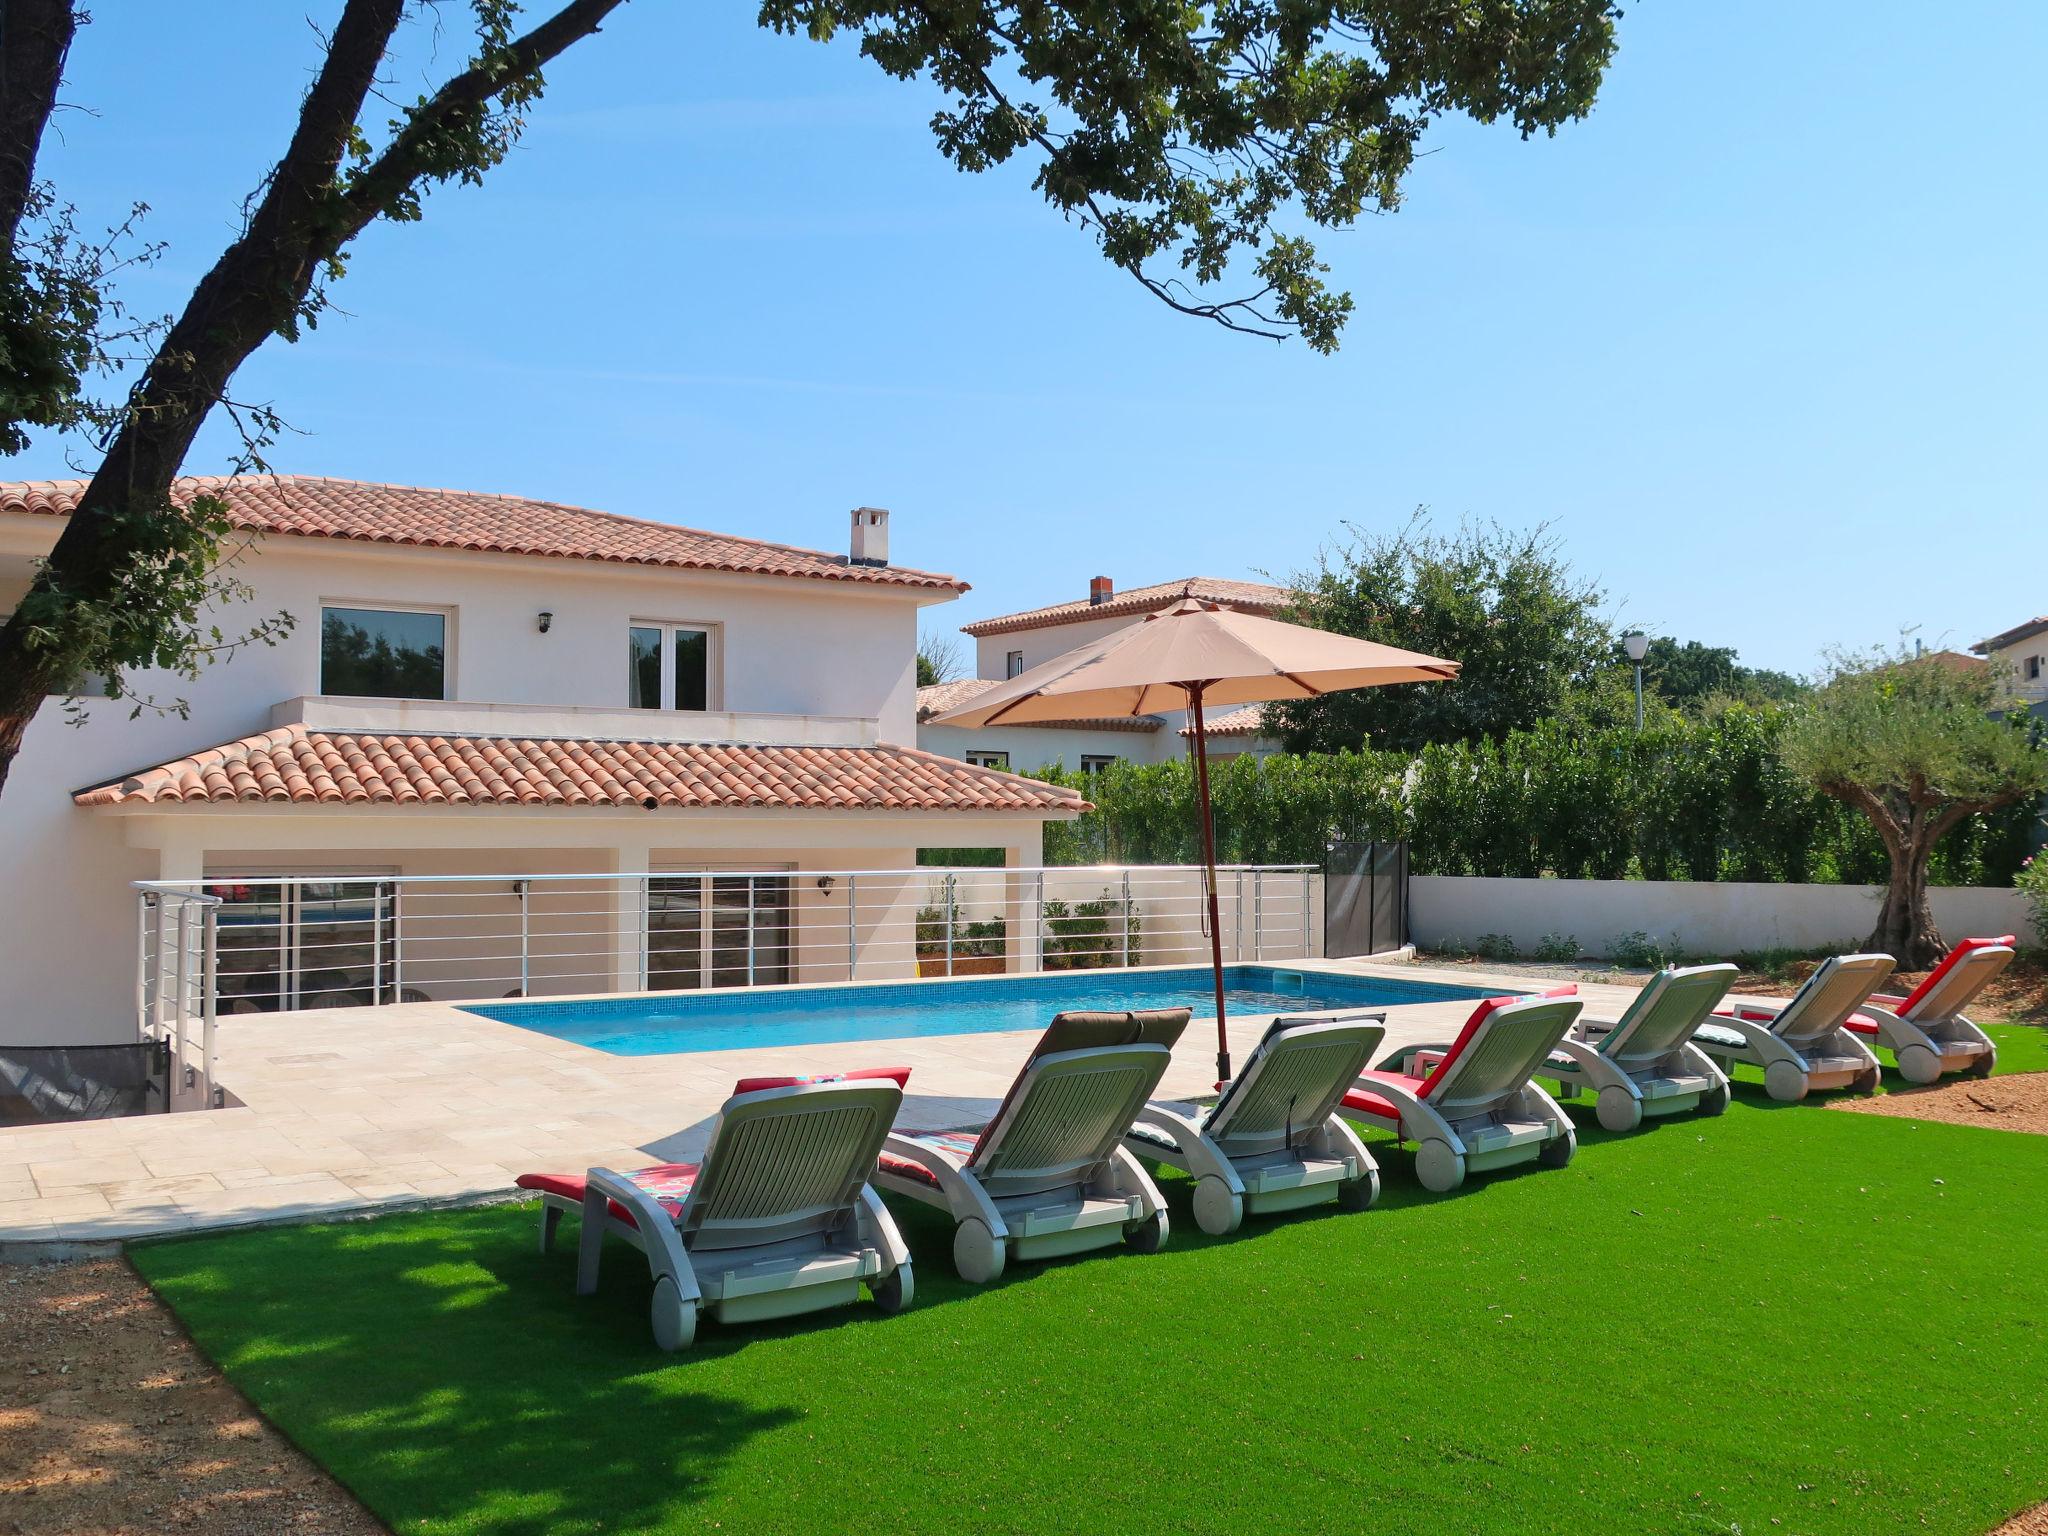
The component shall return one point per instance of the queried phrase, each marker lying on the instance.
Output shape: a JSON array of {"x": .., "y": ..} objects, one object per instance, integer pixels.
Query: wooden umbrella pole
[{"x": 1209, "y": 878}]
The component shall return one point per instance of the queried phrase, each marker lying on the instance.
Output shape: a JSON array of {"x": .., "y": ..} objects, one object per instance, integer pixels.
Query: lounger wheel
[
  {"x": 977, "y": 1256},
  {"x": 1218, "y": 1207},
  {"x": 1917, "y": 1064},
  {"x": 1785, "y": 1082},
  {"x": 893, "y": 1291},
  {"x": 1358, "y": 1194},
  {"x": 675, "y": 1320},
  {"x": 1559, "y": 1150},
  {"x": 1872, "y": 1079},
  {"x": 1715, "y": 1100},
  {"x": 1983, "y": 1065},
  {"x": 1618, "y": 1109},
  {"x": 1439, "y": 1168},
  {"x": 1149, "y": 1235}
]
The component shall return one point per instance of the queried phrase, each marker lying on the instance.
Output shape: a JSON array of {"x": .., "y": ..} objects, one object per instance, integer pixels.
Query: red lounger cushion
[
  {"x": 1861, "y": 1023},
  {"x": 1367, "y": 1102},
  {"x": 900, "y": 1076},
  {"x": 1953, "y": 957},
  {"x": 669, "y": 1183}
]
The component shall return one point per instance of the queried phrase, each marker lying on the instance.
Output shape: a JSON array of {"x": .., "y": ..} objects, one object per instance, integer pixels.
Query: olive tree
[
  {"x": 1194, "y": 144},
  {"x": 1917, "y": 745}
]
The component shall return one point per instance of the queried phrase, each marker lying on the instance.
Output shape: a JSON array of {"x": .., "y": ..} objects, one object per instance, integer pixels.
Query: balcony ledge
[{"x": 448, "y": 717}]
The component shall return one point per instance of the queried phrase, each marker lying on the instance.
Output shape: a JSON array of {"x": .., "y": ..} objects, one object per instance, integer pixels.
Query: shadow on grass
[{"x": 508, "y": 1405}]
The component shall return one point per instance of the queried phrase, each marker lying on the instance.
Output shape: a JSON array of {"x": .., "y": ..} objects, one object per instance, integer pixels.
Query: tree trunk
[{"x": 1905, "y": 922}]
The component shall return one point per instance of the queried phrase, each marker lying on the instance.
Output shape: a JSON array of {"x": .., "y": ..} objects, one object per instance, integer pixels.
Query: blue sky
[{"x": 1763, "y": 338}]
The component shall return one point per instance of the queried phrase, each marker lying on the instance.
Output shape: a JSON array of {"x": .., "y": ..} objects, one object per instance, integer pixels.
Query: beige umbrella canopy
[{"x": 1193, "y": 656}]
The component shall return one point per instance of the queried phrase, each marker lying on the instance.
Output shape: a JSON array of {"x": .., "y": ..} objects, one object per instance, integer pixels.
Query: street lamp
[{"x": 1638, "y": 646}]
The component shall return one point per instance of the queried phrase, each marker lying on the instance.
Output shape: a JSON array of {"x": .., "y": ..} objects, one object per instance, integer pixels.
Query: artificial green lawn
[{"x": 1784, "y": 1319}]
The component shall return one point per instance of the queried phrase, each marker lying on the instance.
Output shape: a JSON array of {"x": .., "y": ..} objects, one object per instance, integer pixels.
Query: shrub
[
  {"x": 1495, "y": 946},
  {"x": 1637, "y": 950},
  {"x": 2032, "y": 881},
  {"x": 1557, "y": 946}
]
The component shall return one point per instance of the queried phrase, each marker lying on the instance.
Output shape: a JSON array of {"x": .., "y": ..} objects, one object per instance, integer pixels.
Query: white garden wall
[{"x": 1701, "y": 918}]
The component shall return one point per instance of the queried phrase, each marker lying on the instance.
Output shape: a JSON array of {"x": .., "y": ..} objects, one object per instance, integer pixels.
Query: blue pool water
[{"x": 728, "y": 1021}]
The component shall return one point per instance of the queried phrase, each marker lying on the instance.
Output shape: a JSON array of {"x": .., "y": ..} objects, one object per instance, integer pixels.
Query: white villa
[
  {"x": 499, "y": 689},
  {"x": 2022, "y": 654},
  {"x": 1016, "y": 642}
]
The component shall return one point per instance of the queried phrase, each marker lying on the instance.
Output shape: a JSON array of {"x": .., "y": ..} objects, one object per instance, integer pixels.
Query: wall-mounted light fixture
[
  {"x": 825, "y": 884},
  {"x": 547, "y": 620}
]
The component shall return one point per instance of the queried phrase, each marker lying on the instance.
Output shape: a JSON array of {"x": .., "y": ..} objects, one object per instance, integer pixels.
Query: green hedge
[{"x": 1705, "y": 799}]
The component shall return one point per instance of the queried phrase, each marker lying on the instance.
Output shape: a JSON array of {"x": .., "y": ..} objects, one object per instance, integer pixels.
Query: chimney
[
  {"x": 1100, "y": 590},
  {"x": 870, "y": 537}
]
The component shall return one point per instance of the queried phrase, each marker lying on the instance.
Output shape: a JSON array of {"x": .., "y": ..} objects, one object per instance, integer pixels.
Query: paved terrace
[{"x": 363, "y": 1108}]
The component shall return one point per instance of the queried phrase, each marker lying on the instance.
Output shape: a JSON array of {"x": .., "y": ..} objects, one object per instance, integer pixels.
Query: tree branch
[{"x": 35, "y": 37}]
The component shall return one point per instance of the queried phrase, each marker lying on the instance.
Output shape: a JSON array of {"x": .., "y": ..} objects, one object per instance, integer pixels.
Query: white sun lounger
[
  {"x": 1925, "y": 1030},
  {"x": 1478, "y": 1108},
  {"x": 1804, "y": 1042},
  {"x": 1048, "y": 1175},
  {"x": 1274, "y": 1140},
  {"x": 778, "y": 1219},
  {"x": 1645, "y": 1063}
]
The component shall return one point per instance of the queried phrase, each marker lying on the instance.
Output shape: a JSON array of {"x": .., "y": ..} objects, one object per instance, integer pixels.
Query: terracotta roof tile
[
  {"x": 307, "y": 767},
  {"x": 314, "y": 507},
  {"x": 1245, "y": 720},
  {"x": 1247, "y": 596},
  {"x": 937, "y": 698}
]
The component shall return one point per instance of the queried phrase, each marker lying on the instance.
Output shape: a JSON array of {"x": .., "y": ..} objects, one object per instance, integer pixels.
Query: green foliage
[
  {"x": 1495, "y": 946},
  {"x": 1187, "y": 140},
  {"x": 1691, "y": 798},
  {"x": 2032, "y": 881},
  {"x": 1090, "y": 935},
  {"x": 1691, "y": 676},
  {"x": 1504, "y": 604},
  {"x": 938, "y": 658},
  {"x": 1636, "y": 950},
  {"x": 1556, "y": 947},
  {"x": 961, "y": 858},
  {"x": 156, "y": 616}
]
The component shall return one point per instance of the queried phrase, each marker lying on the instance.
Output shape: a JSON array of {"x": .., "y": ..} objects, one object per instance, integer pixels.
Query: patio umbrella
[{"x": 1193, "y": 656}]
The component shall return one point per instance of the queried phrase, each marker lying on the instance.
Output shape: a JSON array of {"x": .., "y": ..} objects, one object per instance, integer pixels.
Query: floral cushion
[
  {"x": 669, "y": 1183},
  {"x": 959, "y": 1144}
]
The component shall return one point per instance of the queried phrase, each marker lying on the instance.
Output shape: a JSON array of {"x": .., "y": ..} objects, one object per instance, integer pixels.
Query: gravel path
[
  {"x": 112, "y": 1422},
  {"x": 2016, "y": 1103}
]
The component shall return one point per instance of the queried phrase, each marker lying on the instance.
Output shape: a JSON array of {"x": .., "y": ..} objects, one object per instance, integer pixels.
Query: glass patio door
[
  {"x": 317, "y": 944},
  {"x": 711, "y": 930}
]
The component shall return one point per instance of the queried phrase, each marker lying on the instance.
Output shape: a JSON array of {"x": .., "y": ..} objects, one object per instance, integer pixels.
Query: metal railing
[
  {"x": 176, "y": 991},
  {"x": 265, "y": 942}
]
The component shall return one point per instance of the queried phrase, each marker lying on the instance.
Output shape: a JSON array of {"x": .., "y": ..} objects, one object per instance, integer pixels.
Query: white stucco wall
[
  {"x": 67, "y": 924},
  {"x": 1703, "y": 918}
]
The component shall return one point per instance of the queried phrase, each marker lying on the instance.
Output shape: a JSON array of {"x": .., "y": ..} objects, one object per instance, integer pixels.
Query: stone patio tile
[
  {"x": 79, "y": 1172},
  {"x": 53, "y": 1207}
]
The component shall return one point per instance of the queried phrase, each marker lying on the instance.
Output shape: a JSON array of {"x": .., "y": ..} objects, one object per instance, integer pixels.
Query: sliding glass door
[
  {"x": 712, "y": 930},
  {"x": 320, "y": 944}
]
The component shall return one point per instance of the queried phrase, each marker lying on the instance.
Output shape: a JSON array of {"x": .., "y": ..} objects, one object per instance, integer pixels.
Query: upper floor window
[
  {"x": 1013, "y": 664},
  {"x": 384, "y": 653},
  {"x": 982, "y": 759},
  {"x": 671, "y": 666},
  {"x": 1094, "y": 762},
  {"x": 2033, "y": 669}
]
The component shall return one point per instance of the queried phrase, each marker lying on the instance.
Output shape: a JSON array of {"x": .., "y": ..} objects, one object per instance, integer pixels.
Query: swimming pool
[{"x": 675, "y": 1022}]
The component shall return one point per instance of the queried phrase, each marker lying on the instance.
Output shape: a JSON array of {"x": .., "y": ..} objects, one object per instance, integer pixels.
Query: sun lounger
[
  {"x": 1477, "y": 1108},
  {"x": 1644, "y": 1063},
  {"x": 778, "y": 1219},
  {"x": 1274, "y": 1140},
  {"x": 1925, "y": 1030},
  {"x": 1048, "y": 1175},
  {"x": 1805, "y": 1042}
]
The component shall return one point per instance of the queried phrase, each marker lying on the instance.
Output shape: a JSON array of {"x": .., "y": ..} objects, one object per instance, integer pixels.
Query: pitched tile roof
[
  {"x": 307, "y": 767},
  {"x": 1245, "y": 720},
  {"x": 312, "y": 506},
  {"x": 2013, "y": 636},
  {"x": 937, "y": 698},
  {"x": 1246, "y": 596}
]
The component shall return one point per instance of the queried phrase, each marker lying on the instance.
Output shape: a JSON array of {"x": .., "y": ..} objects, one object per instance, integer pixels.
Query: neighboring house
[
  {"x": 1017, "y": 642},
  {"x": 488, "y": 686},
  {"x": 2022, "y": 654}
]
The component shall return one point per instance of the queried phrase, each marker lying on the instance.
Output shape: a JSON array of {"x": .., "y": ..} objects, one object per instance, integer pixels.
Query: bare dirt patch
[
  {"x": 2028, "y": 1522},
  {"x": 2015, "y": 1103},
  {"x": 111, "y": 1422}
]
